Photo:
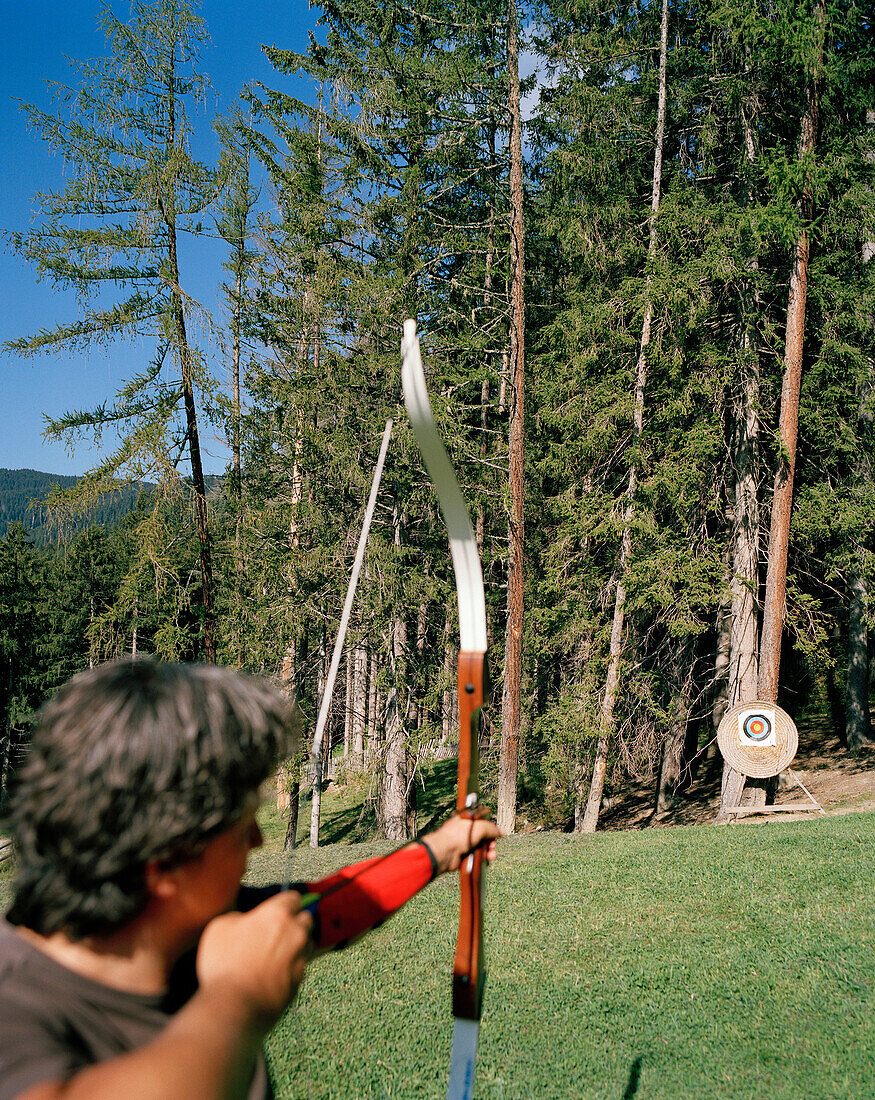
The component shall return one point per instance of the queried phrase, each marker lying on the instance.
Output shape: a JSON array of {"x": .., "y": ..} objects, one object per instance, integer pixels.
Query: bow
[{"x": 468, "y": 962}]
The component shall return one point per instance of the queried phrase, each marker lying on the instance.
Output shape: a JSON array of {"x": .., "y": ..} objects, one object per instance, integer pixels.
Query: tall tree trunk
[
  {"x": 288, "y": 777},
  {"x": 236, "y": 469},
  {"x": 589, "y": 821},
  {"x": 394, "y": 788},
  {"x": 289, "y": 773},
  {"x": 449, "y": 700},
  {"x": 348, "y": 709},
  {"x": 743, "y": 663},
  {"x": 511, "y": 713},
  {"x": 359, "y": 704},
  {"x": 782, "y": 501},
  {"x": 745, "y": 538},
  {"x": 722, "y": 650},
  {"x": 374, "y": 711},
  {"x": 234, "y": 228}
]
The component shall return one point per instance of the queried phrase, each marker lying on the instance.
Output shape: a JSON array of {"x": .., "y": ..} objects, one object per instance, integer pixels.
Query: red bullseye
[{"x": 757, "y": 727}]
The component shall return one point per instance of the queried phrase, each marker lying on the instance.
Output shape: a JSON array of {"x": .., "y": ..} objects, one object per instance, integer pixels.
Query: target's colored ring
[{"x": 757, "y": 727}]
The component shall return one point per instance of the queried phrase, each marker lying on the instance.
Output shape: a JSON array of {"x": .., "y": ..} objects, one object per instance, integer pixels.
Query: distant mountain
[{"x": 21, "y": 492}]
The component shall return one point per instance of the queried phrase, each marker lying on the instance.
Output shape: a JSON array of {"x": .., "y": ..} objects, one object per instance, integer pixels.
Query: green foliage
[
  {"x": 110, "y": 236},
  {"x": 24, "y": 571}
]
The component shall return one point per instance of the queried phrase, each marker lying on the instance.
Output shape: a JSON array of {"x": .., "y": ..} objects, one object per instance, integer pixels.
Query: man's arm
[
  {"x": 352, "y": 901},
  {"x": 249, "y": 968}
]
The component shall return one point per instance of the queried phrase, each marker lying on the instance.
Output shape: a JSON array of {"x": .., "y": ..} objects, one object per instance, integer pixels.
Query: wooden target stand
[{"x": 759, "y": 740}]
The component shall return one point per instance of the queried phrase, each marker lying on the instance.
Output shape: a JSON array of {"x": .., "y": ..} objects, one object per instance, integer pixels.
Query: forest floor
[{"x": 839, "y": 782}]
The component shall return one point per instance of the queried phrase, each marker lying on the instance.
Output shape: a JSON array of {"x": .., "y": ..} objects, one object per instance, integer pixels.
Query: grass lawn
[
  {"x": 689, "y": 962},
  {"x": 734, "y": 963}
]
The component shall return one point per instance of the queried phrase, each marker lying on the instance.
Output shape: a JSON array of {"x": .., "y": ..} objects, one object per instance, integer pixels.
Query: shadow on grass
[
  {"x": 355, "y": 823},
  {"x": 436, "y": 796},
  {"x": 634, "y": 1079}
]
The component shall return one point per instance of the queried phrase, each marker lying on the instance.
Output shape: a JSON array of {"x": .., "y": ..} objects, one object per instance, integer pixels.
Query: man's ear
[{"x": 161, "y": 878}]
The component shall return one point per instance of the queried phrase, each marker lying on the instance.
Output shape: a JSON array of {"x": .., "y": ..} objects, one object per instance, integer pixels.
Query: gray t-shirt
[{"x": 55, "y": 1022}]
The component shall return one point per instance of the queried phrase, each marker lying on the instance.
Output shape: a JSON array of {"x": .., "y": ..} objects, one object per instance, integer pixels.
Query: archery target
[
  {"x": 757, "y": 738},
  {"x": 756, "y": 727}
]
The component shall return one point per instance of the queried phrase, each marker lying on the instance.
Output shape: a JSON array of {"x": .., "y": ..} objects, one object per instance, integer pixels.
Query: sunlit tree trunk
[
  {"x": 782, "y": 500},
  {"x": 511, "y": 712},
  {"x": 394, "y": 787}
]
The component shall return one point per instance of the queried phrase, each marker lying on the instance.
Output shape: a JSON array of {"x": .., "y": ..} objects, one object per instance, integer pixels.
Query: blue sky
[{"x": 38, "y": 37}]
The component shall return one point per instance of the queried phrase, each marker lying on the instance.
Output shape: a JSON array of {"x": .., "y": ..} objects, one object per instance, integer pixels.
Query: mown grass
[
  {"x": 688, "y": 962},
  {"x": 734, "y": 963}
]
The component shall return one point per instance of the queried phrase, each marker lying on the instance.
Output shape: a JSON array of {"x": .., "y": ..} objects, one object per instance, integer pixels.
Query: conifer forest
[{"x": 644, "y": 285}]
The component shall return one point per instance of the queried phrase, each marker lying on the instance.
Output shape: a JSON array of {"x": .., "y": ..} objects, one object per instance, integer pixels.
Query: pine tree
[
  {"x": 387, "y": 196},
  {"x": 23, "y": 592}
]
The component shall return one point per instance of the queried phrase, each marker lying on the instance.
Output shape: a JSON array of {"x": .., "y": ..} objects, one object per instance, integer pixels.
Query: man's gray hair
[{"x": 133, "y": 762}]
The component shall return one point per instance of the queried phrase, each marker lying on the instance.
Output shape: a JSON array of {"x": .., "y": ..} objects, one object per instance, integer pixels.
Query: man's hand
[
  {"x": 459, "y": 836},
  {"x": 259, "y": 956}
]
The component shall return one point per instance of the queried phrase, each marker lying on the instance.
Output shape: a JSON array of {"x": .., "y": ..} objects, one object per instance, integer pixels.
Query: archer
[{"x": 132, "y": 962}]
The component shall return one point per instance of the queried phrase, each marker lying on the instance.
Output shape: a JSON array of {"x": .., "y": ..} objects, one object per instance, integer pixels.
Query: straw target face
[{"x": 757, "y": 738}]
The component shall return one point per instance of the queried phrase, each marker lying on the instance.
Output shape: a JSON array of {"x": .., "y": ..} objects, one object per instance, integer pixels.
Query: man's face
[{"x": 209, "y": 883}]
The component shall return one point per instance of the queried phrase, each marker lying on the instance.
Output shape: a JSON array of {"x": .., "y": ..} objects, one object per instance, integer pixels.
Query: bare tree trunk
[
  {"x": 672, "y": 763},
  {"x": 359, "y": 705},
  {"x": 318, "y": 766},
  {"x": 722, "y": 649},
  {"x": 288, "y": 778},
  {"x": 289, "y": 772},
  {"x": 589, "y": 821},
  {"x": 449, "y": 706},
  {"x": 743, "y": 663},
  {"x": 393, "y": 802},
  {"x": 745, "y": 545},
  {"x": 134, "y": 619},
  {"x": 513, "y": 651},
  {"x": 374, "y": 711},
  {"x": 348, "y": 706}
]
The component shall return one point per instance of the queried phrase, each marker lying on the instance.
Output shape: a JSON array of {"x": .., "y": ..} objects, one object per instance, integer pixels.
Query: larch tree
[{"x": 112, "y": 236}]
